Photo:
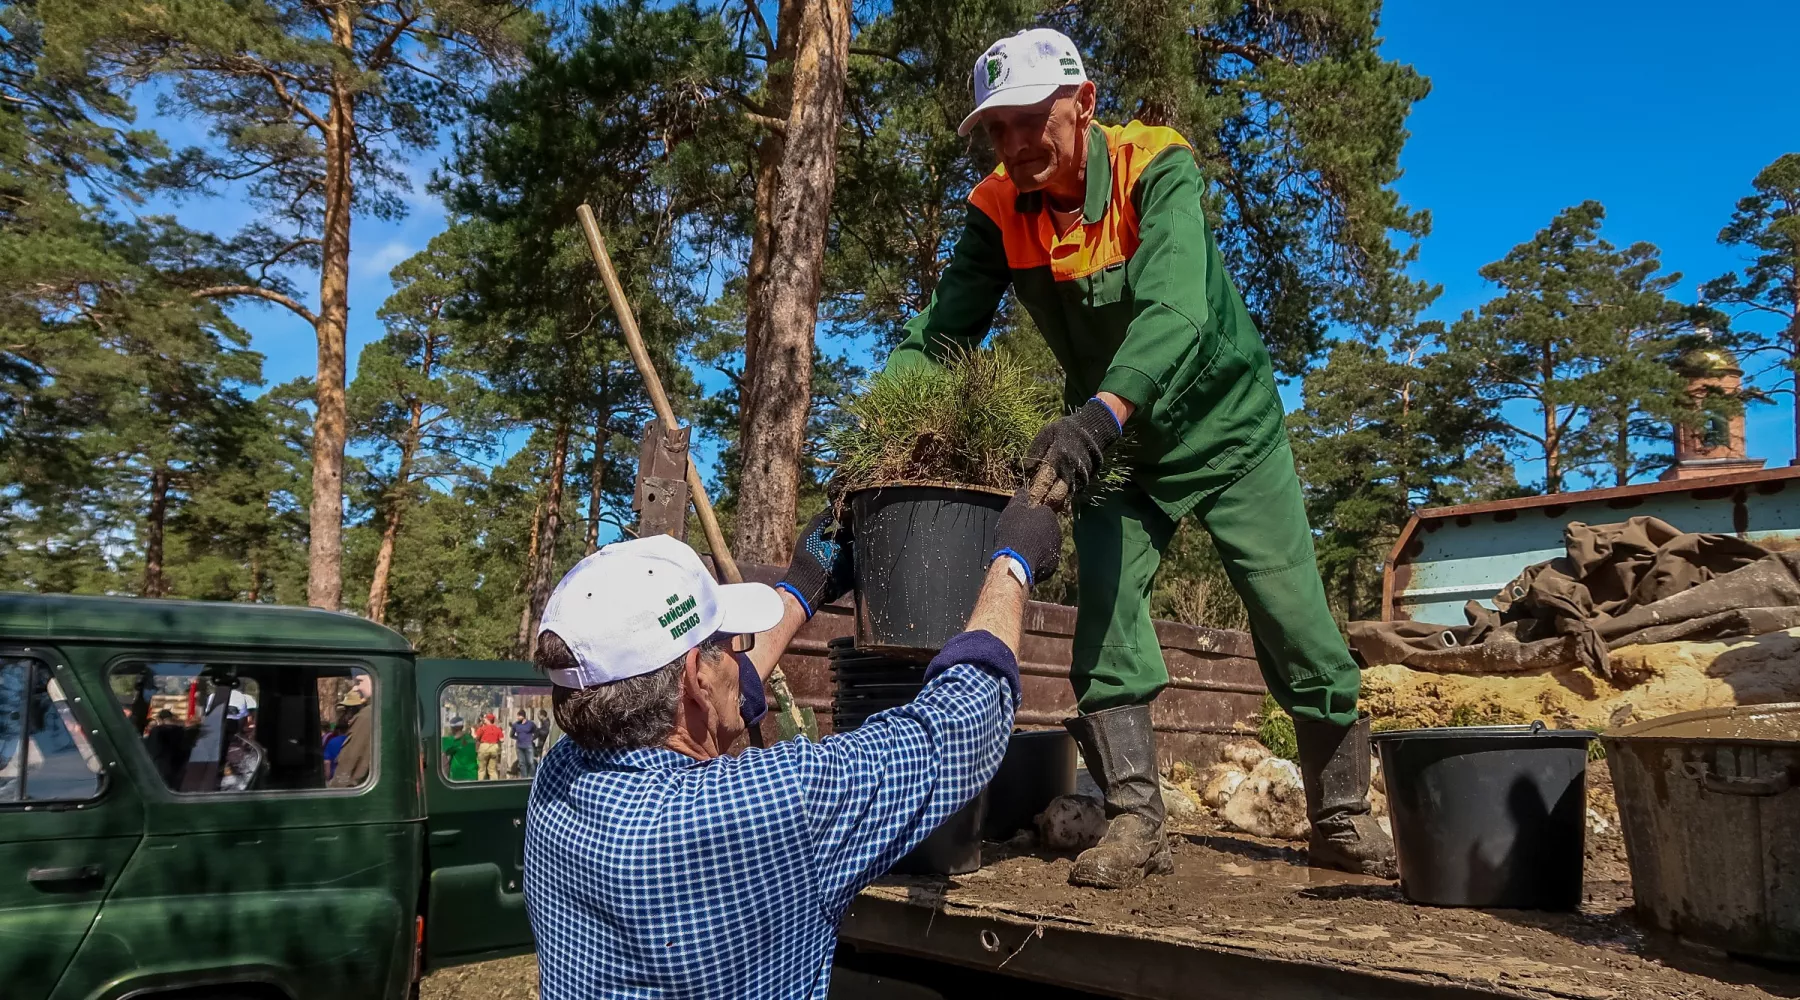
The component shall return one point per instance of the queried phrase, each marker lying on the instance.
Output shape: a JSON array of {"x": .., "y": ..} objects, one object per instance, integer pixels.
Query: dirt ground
[{"x": 1236, "y": 891}]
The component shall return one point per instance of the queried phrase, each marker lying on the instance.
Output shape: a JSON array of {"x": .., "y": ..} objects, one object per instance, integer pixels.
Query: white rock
[
  {"x": 1245, "y": 755},
  {"x": 1178, "y": 804},
  {"x": 1377, "y": 780},
  {"x": 1269, "y": 803},
  {"x": 1597, "y": 824},
  {"x": 1221, "y": 781},
  {"x": 1071, "y": 823}
]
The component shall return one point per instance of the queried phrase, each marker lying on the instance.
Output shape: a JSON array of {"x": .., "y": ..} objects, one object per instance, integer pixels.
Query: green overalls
[{"x": 1135, "y": 301}]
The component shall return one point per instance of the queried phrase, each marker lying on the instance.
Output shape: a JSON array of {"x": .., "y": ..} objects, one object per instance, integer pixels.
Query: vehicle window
[
  {"x": 237, "y": 727},
  {"x": 493, "y": 732},
  {"x": 45, "y": 755}
]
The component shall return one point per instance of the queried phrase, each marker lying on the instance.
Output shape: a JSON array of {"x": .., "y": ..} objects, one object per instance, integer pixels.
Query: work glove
[
  {"x": 822, "y": 569},
  {"x": 1032, "y": 534},
  {"x": 1070, "y": 452}
]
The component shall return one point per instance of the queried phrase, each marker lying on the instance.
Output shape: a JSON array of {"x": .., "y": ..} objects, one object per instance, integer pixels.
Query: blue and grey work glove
[
  {"x": 1068, "y": 453},
  {"x": 1030, "y": 533},
  {"x": 822, "y": 569}
]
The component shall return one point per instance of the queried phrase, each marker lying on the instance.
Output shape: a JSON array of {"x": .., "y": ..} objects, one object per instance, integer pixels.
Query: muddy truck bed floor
[{"x": 1244, "y": 918}]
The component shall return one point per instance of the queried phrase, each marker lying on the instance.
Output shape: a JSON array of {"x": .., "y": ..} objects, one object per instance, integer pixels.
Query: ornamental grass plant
[{"x": 967, "y": 422}]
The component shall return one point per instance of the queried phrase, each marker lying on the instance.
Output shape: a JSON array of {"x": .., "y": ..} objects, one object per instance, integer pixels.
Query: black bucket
[
  {"x": 1039, "y": 765},
  {"x": 954, "y": 848},
  {"x": 1488, "y": 815},
  {"x": 921, "y": 554}
]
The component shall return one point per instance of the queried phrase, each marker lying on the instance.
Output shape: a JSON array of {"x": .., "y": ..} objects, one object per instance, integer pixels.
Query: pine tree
[
  {"x": 1767, "y": 226},
  {"x": 1540, "y": 342},
  {"x": 309, "y": 105},
  {"x": 418, "y": 404},
  {"x": 1385, "y": 428}
]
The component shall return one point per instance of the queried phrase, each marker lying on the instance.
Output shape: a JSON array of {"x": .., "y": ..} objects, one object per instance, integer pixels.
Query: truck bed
[{"x": 1242, "y": 918}]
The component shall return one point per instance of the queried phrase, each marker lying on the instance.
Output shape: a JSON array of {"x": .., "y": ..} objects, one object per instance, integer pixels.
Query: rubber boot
[
  {"x": 1334, "y": 767},
  {"x": 1120, "y": 749}
]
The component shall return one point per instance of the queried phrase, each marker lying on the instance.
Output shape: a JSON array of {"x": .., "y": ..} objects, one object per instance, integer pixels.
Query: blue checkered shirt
[{"x": 651, "y": 874}]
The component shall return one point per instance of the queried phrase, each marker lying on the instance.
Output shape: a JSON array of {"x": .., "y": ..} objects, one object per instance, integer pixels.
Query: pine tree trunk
[
  {"x": 397, "y": 496},
  {"x": 544, "y": 566},
  {"x": 531, "y": 554},
  {"x": 775, "y": 426},
  {"x": 1622, "y": 452},
  {"x": 597, "y": 478},
  {"x": 1552, "y": 444},
  {"x": 254, "y": 595},
  {"x": 154, "y": 585},
  {"x": 768, "y": 182},
  {"x": 1793, "y": 333},
  {"x": 325, "y": 549}
]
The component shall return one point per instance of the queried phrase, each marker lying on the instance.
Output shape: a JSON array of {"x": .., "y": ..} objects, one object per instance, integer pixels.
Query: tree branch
[{"x": 254, "y": 291}]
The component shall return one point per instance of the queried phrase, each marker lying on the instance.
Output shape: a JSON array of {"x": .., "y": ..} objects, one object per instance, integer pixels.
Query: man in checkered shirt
[{"x": 657, "y": 866}]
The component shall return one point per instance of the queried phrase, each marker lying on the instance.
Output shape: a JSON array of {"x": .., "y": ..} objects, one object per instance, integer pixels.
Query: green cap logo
[{"x": 995, "y": 69}]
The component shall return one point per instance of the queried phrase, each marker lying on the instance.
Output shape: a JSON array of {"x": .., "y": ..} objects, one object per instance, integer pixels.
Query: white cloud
[{"x": 382, "y": 260}]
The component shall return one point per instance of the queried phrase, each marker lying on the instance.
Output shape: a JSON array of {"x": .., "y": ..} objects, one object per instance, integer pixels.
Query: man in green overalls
[{"x": 1100, "y": 232}]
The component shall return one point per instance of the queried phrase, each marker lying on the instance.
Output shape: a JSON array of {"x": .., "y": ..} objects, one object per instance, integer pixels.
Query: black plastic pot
[
  {"x": 866, "y": 683},
  {"x": 921, "y": 553},
  {"x": 1039, "y": 765},
  {"x": 954, "y": 848},
  {"x": 1488, "y": 815}
]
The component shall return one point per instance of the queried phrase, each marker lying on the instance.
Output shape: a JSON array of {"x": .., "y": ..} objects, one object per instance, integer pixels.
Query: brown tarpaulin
[{"x": 1641, "y": 581}]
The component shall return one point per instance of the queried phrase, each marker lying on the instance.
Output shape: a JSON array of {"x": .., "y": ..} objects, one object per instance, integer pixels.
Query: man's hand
[
  {"x": 822, "y": 569},
  {"x": 1032, "y": 534},
  {"x": 1071, "y": 451}
]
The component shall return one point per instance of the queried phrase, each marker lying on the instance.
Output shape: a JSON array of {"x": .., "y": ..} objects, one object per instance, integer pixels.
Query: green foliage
[
  {"x": 1766, "y": 228},
  {"x": 1383, "y": 428},
  {"x": 1584, "y": 336},
  {"x": 1275, "y": 730},
  {"x": 968, "y": 421}
]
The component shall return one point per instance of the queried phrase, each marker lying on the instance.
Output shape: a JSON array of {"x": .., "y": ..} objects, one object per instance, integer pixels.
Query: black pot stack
[{"x": 866, "y": 683}]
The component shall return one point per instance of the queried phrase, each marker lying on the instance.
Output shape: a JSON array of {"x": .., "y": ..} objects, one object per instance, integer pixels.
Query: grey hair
[{"x": 623, "y": 715}]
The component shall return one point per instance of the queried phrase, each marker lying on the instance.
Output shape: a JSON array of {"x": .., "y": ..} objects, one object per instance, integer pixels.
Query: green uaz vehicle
[{"x": 229, "y": 800}]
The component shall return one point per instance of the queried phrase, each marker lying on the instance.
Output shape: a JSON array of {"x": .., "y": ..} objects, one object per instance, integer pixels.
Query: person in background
[
  {"x": 543, "y": 733},
  {"x": 357, "y": 755},
  {"x": 459, "y": 751},
  {"x": 243, "y": 755},
  {"x": 334, "y": 745},
  {"x": 489, "y": 735},
  {"x": 168, "y": 742},
  {"x": 524, "y": 734}
]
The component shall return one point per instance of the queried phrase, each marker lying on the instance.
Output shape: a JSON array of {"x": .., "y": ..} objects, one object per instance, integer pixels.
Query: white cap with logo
[
  {"x": 1023, "y": 70},
  {"x": 637, "y": 605}
]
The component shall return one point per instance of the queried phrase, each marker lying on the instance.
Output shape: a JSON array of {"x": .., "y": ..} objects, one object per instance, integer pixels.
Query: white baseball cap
[
  {"x": 1023, "y": 70},
  {"x": 640, "y": 604}
]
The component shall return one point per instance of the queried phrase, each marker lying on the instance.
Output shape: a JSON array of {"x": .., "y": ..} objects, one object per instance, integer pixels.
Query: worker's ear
[
  {"x": 697, "y": 684},
  {"x": 1086, "y": 98}
]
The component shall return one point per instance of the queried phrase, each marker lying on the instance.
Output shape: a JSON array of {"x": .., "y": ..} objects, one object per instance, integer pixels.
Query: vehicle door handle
[
  {"x": 64, "y": 876},
  {"x": 440, "y": 837}
]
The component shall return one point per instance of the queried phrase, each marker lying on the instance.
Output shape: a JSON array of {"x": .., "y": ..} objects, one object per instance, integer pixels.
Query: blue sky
[{"x": 1662, "y": 111}]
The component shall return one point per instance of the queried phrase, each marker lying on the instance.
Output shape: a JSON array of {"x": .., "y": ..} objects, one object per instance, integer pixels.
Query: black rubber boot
[
  {"x": 1334, "y": 766},
  {"x": 1119, "y": 746}
]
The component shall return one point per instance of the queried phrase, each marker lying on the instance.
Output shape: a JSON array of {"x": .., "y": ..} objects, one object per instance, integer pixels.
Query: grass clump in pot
[{"x": 967, "y": 422}]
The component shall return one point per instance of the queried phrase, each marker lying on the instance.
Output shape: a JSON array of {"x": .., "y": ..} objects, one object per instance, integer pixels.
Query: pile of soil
[{"x": 1648, "y": 682}]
